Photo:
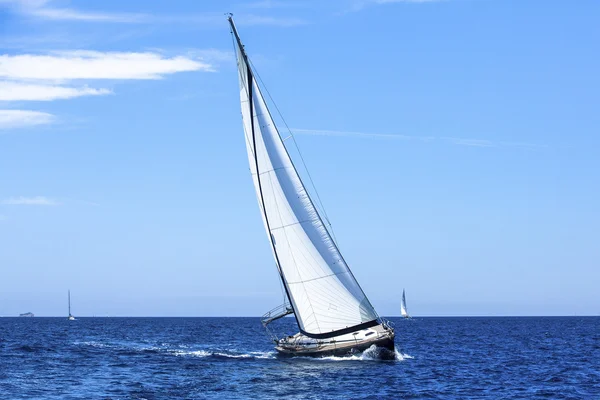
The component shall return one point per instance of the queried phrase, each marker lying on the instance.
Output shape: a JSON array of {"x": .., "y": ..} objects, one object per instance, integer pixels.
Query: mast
[
  {"x": 262, "y": 200},
  {"x": 69, "y": 292}
]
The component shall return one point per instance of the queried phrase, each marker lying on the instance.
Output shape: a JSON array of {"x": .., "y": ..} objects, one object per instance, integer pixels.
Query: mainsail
[
  {"x": 403, "y": 311},
  {"x": 326, "y": 298}
]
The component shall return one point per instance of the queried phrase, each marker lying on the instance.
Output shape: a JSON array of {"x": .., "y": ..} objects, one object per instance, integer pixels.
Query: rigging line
[
  {"x": 297, "y": 149},
  {"x": 319, "y": 277}
]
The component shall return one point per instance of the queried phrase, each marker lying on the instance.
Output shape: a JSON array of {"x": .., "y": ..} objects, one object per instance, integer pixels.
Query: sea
[{"x": 233, "y": 358}]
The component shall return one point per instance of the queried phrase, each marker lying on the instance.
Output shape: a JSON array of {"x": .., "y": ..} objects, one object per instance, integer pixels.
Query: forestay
[{"x": 322, "y": 291}]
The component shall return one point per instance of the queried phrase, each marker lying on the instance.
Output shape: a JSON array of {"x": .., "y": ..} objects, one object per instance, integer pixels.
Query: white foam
[
  {"x": 221, "y": 353},
  {"x": 196, "y": 353},
  {"x": 373, "y": 353},
  {"x": 93, "y": 344},
  {"x": 401, "y": 356}
]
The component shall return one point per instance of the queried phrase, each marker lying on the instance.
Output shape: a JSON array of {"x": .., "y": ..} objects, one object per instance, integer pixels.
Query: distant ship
[
  {"x": 403, "y": 310},
  {"x": 27, "y": 314},
  {"x": 71, "y": 317}
]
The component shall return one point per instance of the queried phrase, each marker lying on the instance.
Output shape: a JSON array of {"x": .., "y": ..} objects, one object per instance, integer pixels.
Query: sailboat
[
  {"x": 333, "y": 314},
  {"x": 403, "y": 310},
  {"x": 71, "y": 317}
]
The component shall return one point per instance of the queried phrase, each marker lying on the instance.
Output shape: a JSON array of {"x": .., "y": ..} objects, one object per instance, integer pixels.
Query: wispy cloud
[
  {"x": 68, "y": 14},
  {"x": 31, "y": 201},
  {"x": 47, "y": 77},
  {"x": 15, "y": 91},
  {"x": 45, "y": 9},
  {"x": 71, "y": 65},
  {"x": 10, "y": 119},
  {"x": 428, "y": 139}
]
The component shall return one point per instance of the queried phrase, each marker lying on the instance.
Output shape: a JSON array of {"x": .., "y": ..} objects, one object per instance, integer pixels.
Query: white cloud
[
  {"x": 62, "y": 14},
  {"x": 95, "y": 65},
  {"x": 23, "y": 118},
  {"x": 16, "y": 91},
  {"x": 44, "y": 9},
  {"x": 45, "y": 77},
  {"x": 31, "y": 201}
]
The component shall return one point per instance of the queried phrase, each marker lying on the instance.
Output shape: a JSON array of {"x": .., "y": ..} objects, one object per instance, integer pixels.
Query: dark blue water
[{"x": 196, "y": 358}]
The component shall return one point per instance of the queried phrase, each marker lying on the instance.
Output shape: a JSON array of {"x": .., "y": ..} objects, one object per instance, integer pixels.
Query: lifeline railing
[{"x": 275, "y": 314}]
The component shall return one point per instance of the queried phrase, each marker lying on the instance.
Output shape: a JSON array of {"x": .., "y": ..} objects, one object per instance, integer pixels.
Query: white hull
[{"x": 301, "y": 345}]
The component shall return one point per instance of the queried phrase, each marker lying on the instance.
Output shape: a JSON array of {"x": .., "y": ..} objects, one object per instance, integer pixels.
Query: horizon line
[{"x": 226, "y": 316}]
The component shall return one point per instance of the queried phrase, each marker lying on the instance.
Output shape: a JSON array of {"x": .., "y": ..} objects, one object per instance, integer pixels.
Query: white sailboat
[
  {"x": 333, "y": 313},
  {"x": 70, "y": 317},
  {"x": 403, "y": 310}
]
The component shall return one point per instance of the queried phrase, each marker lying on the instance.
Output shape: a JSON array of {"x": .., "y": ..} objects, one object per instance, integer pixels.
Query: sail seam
[
  {"x": 272, "y": 170},
  {"x": 320, "y": 277},
  {"x": 292, "y": 224}
]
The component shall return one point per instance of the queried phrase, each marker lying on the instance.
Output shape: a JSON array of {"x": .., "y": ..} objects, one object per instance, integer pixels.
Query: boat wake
[
  {"x": 373, "y": 353},
  {"x": 178, "y": 350},
  {"x": 225, "y": 354}
]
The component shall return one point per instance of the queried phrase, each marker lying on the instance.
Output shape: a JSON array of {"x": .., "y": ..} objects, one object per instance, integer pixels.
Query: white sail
[
  {"x": 403, "y": 310},
  {"x": 70, "y": 317},
  {"x": 322, "y": 291}
]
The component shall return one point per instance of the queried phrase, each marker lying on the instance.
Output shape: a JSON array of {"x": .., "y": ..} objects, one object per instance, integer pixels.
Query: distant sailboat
[
  {"x": 71, "y": 317},
  {"x": 332, "y": 312},
  {"x": 403, "y": 310}
]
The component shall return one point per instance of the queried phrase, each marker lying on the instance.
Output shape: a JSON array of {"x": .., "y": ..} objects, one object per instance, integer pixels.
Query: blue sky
[{"x": 454, "y": 144}]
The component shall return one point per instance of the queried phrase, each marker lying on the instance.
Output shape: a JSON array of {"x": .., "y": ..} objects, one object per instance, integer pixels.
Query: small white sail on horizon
[
  {"x": 403, "y": 310},
  {"x": 70, "y": 317}
]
